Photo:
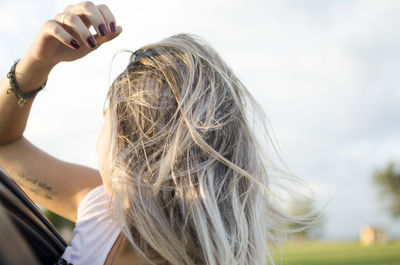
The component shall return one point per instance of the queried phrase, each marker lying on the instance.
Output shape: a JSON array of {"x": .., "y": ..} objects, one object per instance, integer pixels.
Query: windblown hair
[{"x": 189, "y": 181}]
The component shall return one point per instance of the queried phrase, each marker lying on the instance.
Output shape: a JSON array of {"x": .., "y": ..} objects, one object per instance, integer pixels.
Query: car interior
[{"x": 27, "y": 236}]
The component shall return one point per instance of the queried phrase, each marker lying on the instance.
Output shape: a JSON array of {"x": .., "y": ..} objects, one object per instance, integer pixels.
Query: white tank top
[{"x": 95, "y": 231}]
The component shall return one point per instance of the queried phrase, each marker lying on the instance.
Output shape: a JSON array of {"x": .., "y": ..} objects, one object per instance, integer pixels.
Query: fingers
[
  {"x": 77, "y": 19},
  {"x": 100, "y": 39},
  {"x": 75, "y": 24},
  {"x": 54, "y": 29},
  {"x": 108, "y": 17},
  {"x": 91, "y": 16}
]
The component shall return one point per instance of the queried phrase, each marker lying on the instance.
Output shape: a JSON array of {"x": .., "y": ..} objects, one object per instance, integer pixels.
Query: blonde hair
[{"x": 188, "y": 178}]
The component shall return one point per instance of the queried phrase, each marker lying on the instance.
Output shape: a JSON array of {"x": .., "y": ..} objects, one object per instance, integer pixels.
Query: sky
[{"x": 325, "y": 73}]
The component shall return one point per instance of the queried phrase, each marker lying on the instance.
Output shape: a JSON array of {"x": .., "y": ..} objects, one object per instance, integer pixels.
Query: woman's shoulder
[
  {"x": 95, "y": 230},
  {"x": 95, "y": 202}
]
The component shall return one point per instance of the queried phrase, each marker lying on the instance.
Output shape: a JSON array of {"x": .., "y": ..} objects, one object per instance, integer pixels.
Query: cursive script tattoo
[{"x": 33, "y": 185}]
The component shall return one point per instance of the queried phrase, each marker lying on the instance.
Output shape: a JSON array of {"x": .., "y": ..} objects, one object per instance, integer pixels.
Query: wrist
[{"x": 31, "y": 73}]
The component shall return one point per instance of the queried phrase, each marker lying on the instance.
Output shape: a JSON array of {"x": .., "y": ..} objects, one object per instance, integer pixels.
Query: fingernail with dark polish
[
  {"x": 75, "y": 44},
  {"x": 102, "y": 29},
  {"x": 92, "y": 42},
  {"x": 112, "y": 27}
]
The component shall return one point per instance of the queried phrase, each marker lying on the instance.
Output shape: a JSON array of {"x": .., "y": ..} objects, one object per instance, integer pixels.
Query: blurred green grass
[{"x": 338, "y": 253}]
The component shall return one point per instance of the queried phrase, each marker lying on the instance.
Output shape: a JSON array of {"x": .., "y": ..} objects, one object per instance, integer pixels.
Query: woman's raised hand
[{"x": 67, "y": 37}]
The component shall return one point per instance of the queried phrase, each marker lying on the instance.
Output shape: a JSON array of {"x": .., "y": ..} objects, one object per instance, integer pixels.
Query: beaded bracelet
[{"x": 14, "y": 88}]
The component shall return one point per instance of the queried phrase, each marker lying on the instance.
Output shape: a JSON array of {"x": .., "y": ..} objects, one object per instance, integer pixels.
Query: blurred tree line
[
  {"x": 308, "y": 222},
  {"x": 388, "y": 182},
  {"x": 58, "y": 221}
]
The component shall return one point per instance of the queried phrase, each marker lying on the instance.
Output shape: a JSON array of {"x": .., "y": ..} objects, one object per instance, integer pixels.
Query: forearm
[{"x": 30, "y": 75}]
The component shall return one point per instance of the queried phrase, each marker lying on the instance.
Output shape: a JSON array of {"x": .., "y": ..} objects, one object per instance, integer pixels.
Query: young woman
[{"x": 181, "y": 178}]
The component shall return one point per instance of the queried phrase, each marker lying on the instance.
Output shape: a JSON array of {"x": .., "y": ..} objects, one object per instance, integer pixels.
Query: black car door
[{"x": 24, "y": 224}]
